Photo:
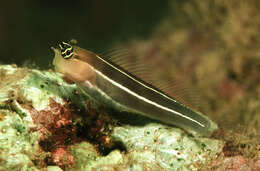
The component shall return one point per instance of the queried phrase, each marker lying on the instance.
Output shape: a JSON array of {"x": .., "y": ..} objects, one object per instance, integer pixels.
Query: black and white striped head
[{"x": 66, "y": 50}]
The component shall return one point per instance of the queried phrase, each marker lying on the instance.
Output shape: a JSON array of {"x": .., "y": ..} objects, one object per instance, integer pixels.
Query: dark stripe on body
[{"x": 136, "y": 85}]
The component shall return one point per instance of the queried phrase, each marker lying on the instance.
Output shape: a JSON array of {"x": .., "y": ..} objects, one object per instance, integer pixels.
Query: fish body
[{"x": 113, "y": 85}]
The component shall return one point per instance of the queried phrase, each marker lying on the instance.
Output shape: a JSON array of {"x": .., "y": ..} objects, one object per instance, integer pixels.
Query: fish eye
[
  {"x": 68, "y": 53},
  {"x": 66, "y": 50}
]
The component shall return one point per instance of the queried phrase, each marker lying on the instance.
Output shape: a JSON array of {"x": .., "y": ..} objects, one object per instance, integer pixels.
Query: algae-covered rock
[
  {"x": 48, "y": 123},
  {"x": 165, "y": 147}
]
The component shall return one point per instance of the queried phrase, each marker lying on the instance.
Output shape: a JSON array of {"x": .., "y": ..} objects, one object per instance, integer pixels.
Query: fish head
[{"x": 69, "y": 63}]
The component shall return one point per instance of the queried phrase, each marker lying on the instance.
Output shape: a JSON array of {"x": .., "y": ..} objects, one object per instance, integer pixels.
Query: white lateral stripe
[
  {"x": 147, "y": 100},
  {"x": 135, "y": 79}
]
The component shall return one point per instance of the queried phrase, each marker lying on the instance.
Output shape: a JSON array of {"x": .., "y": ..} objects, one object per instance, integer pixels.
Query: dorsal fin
[
  {"x": 129, "y": 62},
  {"x": 178, "y": 89},
  {"x": 181, "y": 91}
]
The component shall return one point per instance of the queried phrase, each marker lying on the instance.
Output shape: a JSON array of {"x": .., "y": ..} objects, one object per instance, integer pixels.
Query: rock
[{"x": 46, "y": 121}]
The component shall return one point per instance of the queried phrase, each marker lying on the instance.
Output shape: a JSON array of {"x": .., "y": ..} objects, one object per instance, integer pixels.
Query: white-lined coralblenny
[{"x": 112, "y": 85}]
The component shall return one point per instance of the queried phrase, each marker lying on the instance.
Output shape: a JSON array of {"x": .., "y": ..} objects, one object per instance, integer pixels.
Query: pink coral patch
[{"x": 62, "y": 157}]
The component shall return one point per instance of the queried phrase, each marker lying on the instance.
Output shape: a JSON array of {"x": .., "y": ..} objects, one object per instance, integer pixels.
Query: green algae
[
  {"x": 87, "y": 157},
  {"x": 17, "y": 144},
  {"x": 167, "y": 148}
]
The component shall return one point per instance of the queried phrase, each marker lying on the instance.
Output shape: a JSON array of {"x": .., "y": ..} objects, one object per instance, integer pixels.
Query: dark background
[{"x": 29, "y": 28}]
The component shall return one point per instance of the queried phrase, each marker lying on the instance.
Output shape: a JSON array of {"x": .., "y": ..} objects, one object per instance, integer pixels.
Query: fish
[{"x": 114, "y": 86}]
